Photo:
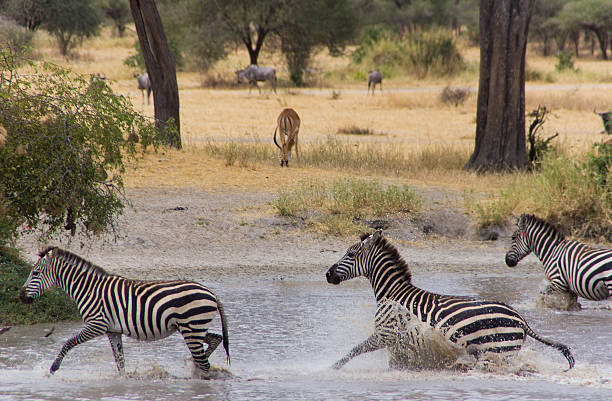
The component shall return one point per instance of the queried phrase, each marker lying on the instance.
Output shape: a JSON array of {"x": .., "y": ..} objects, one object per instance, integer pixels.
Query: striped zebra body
[
  {"x": 476, "y": 325},
  {"x": 115, "y": 306},
  {"x": 569, "y": 266},
  {"x": 288, "y": 127}
]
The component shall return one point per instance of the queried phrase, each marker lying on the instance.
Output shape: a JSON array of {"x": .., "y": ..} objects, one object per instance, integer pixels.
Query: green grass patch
[
  {"x": 570, "y": 191},
  {"x": 341, "y": 207},
  {"x": 54, "y": 306}
]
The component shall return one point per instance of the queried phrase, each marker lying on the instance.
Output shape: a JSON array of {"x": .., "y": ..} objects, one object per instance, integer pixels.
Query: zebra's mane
[
  {"x": 394, "y": 255},
  {"x": 75, "y": 260},
  {"x": 533, "y": 219}
]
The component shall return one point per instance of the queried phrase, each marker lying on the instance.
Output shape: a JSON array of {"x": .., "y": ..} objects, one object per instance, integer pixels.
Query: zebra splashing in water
[
  {"x": 570, "y": 266},
  {"x": 113, "y": 305},
  {"x": 476, "y": 325}
]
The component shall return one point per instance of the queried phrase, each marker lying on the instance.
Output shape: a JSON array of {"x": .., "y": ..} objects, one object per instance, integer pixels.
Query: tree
[
  {"x": 500, "y": 116},
  {"x": 311, "y": 23},
  {"x": 118, "y": 11},
  {"x": 595, "y": 15},
  {"x": 63, "y": 145},
  {"x": 70, "y": 21},
  {"x": 250, "y": 22},
  {"x": 160, "y": 67},
  {"x": 28, "y": 13}
]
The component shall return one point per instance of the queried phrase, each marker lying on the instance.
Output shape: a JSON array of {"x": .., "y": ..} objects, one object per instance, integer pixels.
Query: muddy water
[{"x": 286, "y": 329}]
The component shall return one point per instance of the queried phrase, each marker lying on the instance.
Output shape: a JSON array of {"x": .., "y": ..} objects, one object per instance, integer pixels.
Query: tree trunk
[
  {"x": 500, "y": 117},
  {"x": 160, "y": 67}
]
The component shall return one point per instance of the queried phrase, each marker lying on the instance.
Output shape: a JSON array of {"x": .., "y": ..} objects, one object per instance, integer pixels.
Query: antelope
[
  {"x": 288, "y": 125},
  {"x": 144, "y": 84},
  {"x": 374, "y": 77}
]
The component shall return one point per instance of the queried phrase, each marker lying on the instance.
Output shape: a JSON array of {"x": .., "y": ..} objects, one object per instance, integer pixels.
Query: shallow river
[{"x": 286, "y": 330}]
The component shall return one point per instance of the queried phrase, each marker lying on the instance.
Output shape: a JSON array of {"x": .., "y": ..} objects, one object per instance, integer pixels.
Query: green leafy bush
[
  {"x": 54, "y": 306},
  {"x": 63, "y": 146}
]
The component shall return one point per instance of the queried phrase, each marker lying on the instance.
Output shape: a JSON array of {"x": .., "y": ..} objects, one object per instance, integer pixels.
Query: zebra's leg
[
  {"x": 373, "y": 343},
  {"x": 213, "y": 340},
  {"x": 195, "y": 343},
  {"x": 117, "y": 347},
  {"x": 91, "y": 330}
]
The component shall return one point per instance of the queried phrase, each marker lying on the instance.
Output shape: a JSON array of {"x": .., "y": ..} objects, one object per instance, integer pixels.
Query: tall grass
[
  {"x": 381, "y": 158},
  {"x": 564, "y": 190},
  {"x": 340, "y": 207}
]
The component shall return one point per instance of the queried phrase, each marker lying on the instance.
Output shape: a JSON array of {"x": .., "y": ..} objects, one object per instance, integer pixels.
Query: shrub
[
  {"x": 340, "y": 206},
  {"x": 53, "y": 306},
  {"x": 565, "y": 61},
  {"x": 454, "y": 96},
  {"x": 64, "y": 150},
  {"x": 14, "y": 38}
]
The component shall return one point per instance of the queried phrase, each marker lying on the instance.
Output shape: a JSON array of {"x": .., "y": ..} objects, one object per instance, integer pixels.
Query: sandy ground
[{"x": 173, "y": 233}]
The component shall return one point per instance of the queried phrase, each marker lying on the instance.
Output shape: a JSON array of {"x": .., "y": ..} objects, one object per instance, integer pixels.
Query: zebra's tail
[
  {"x": 561, "y": 347},
  {"x": 224, "y": 330},
  {"x": 276, "y": 143}
]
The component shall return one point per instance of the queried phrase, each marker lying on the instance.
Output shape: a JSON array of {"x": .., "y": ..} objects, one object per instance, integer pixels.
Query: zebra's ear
[{"x": 522, "y": 221}]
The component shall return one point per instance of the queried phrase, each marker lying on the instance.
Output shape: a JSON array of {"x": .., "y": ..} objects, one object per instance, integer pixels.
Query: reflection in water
[{"x": 285, "y": 335}]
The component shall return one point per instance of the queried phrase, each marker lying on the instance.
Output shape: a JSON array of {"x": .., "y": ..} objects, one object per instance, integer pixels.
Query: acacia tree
[
  {"x": 312, "y": 23},
  {"x": 594, "y": 15},
  {"x": 500, "y": 116},
  {"x": 28, "y": 13},
  {"x": 160, "y": 67},
  {"x": 70, "y": 21}
]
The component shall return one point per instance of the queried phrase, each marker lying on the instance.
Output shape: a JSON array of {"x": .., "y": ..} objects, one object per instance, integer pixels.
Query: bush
[
  {"x": 64, "y": 150},
  {"x": 565, "y": 61},
  {"x": 419, "y": 52},
  {"x": 53, "y": 306},
  {"x": 340, "y": 207},
  {"x": 14, "y": 38}
]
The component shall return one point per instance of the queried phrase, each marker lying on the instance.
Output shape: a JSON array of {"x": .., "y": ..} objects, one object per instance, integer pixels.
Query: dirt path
[{"x": 170, "y": 233}]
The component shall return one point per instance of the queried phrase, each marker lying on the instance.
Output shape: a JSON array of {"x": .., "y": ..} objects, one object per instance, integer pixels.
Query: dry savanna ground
[{"x": 408, "y": 115}]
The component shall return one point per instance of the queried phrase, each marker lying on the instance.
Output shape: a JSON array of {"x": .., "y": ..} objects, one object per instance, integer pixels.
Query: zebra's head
[
  {"x": 41, "y": 277},
  {"x": 354, "y": 262},
  {"x": 521, "y": 245}
]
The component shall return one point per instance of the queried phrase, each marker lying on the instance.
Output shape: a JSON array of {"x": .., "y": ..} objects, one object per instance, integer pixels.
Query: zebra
[
  {"x": 476, "y": 325},
  {"x": 114, "y": 305},
  {"x": 288, "y": 125},
  {"x": 570, "y": 266}
]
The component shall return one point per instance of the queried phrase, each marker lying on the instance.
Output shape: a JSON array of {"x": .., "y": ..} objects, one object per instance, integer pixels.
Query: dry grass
[{"x": 413, "y": 120}]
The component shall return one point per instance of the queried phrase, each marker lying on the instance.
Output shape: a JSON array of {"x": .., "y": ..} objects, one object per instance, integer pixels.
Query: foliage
[
  {"x": 571, "y": 192},
  {"x": 420, "y": 52},
  {"x": 594, "y": 15},
  {"x": 27, "y": 13},
  {"x": 538, "y": 146},
  {"x": 118, "y": 11},
  {"x": 565, "y": 61},
  {"x": 63, "y": 150},
  {"x": 70, "y": 21},
  {"x": 342, "y": 205},
  {"x": 14, "y": 38},
  {"x": 53, "y": 306}
]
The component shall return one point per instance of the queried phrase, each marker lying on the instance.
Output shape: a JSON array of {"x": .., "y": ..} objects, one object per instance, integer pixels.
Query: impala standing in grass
[{"x": 288, "y": 127}]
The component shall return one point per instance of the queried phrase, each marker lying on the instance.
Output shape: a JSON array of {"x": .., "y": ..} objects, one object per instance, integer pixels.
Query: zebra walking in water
[
  {"x": 476, "y": 325},
  {"x": 113, "y": 305},
  {"x": 570, "y": 266}
]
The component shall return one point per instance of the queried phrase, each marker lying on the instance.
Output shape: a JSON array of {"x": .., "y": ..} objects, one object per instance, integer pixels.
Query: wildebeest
[
  {"x": 254, "y": 73},
  {"x": 607, "y": 120},
  {"x": 374, "y": 77},
  {"x": 144, "y": 83}
]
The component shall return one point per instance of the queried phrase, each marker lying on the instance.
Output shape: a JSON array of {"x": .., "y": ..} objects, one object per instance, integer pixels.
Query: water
[{"x": 288, "y": 328}]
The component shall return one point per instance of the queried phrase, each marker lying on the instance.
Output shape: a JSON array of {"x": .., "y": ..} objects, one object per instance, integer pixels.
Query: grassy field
[{"x": 227, "y": 133}]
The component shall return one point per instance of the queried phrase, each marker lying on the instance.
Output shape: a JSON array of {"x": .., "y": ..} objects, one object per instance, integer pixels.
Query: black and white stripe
[
  {"x": 476, "y": 325},
  {"x": 570, "y": 266},
  {"x": 113, "y": 305}
]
